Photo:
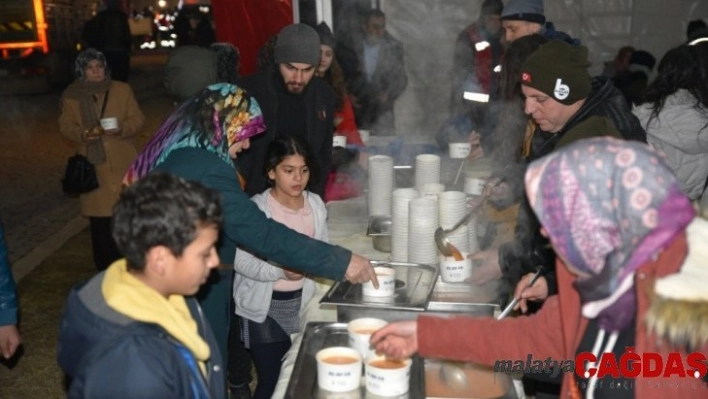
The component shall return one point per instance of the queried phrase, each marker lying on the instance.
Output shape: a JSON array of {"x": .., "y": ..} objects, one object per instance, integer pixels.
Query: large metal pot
[{"x": 379, "y": 230}]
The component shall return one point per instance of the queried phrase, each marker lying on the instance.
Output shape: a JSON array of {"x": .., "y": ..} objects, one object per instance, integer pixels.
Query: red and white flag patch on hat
[{"x": 526, "y": 77}]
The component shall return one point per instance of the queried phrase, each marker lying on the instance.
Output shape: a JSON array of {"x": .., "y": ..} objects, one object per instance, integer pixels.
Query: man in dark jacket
[
  {"x": 372, "y": 61},
  {"x": 109, "y": 33},
  {"x": 525, "y": 17},
  {"x": 294, "y": 103},
  {"x": 134, "y": 330},
  {"x": 567, "y": 105},
  {"x": 9, "y": 336}
]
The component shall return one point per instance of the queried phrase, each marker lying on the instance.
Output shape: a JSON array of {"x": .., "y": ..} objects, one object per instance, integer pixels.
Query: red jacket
[
  {"x": 345, "y": 124},
  {"x": 556, "y": 331}
]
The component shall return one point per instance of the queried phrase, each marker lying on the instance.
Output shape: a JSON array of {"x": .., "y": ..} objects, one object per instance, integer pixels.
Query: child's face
[
  {"x": 187, "y": 272},
  {"x": 290, "y": 176}
]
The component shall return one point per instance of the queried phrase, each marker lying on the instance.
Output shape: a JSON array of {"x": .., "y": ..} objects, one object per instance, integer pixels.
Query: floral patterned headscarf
[
  {"x": 608, "y": 206},
  {"x": 214, "y": 119}
]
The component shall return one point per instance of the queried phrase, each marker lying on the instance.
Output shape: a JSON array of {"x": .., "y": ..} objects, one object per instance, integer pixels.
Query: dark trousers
[
  {"x": 104, "y": 248},
  {"x": 239, "y": 360},
  {"x": 119, "y": 62},
  {"x": 268, "y": 358}
]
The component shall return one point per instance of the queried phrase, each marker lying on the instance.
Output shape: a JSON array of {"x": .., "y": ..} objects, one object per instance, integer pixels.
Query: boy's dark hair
[
  {"x": 162, "y": 209},
  {"x": 286, "y": 146}
]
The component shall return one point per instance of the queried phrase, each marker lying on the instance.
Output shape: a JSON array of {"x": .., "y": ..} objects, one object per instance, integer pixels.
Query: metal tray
[
  {"x": 414, "y": 283},
  {"x": 320, "y": 335}
]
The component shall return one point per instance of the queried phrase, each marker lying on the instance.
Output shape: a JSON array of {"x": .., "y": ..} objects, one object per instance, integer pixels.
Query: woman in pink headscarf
[{"x": 621, "y": 229}]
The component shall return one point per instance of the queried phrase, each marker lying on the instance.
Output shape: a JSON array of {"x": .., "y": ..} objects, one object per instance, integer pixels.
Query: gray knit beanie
[
  {"x": 524, "y": 10},
  {"x": 298, "y": 43}
]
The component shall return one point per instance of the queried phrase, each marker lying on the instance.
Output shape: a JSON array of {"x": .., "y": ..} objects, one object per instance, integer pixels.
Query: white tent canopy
[{"x": 428, "y": 29}]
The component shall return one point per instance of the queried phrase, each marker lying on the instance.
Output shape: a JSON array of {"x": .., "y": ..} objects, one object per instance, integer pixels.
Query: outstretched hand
[
  {"x": 398, "y": 340},
  {"x": 537, "y": 292},
  {"x": 489, "y": 269},
  {"x": 9, "y": 340},
  {"x": 361, "y": 271}
]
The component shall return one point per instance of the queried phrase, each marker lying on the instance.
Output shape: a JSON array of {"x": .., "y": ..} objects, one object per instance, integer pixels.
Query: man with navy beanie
[{"x": 525, "y": 17}]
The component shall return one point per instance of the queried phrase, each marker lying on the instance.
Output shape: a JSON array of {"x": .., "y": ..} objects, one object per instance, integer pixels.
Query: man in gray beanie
[{"x": 525, "y": 17}]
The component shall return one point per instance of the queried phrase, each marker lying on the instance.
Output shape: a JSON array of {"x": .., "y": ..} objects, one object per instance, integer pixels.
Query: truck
[{"x": 39, "y": 40}]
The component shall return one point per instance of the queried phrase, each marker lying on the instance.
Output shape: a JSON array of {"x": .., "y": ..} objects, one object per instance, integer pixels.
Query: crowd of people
[{"x": 208, "y": 240}]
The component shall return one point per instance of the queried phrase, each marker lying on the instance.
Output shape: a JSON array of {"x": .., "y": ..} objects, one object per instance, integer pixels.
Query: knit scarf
[{"x": 86, "y": 93}]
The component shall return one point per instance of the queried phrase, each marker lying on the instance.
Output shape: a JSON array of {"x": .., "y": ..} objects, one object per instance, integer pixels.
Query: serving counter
[{"x": 347, "y": 223}]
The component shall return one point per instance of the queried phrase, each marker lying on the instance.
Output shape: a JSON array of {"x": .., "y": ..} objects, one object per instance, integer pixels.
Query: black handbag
[{"x": 79, "y": 176}]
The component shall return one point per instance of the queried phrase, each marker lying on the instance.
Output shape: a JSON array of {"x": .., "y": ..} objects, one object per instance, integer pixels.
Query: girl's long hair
[
  {"x": 683, "y": 67},
  {"x": 283, "y": 147},
  {"x": 335, "y": 77}
]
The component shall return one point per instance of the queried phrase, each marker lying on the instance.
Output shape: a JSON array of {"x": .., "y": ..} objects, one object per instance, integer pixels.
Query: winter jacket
[
  {"x": 120, "y": 148},
  {"x": 556, "y": 330},
  {"x": 109, "y": 355},
  {"x": 473, "y": 65},
  {"x": 188, "y": 70},
  {"x": 245, "y": 225},
  {"x": 680, "y": 130},
  {"x": 604, "y": 113},
  {"x": 389, "y": 77},
  {"x": 319, "y": 101},
  {"x": 254, "y": 278},
  {"x": 8, "y": 296}
]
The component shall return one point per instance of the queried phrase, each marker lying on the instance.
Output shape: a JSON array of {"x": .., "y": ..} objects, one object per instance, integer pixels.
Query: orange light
[{"x": 41, "y": 34}]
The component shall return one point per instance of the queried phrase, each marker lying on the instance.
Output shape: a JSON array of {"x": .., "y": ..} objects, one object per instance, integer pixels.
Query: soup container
[
  {"x": 360, "y": 331},
  {"x": 339, "y": 141},
  {"x": 385, "y": 377},
  {"x": 455, "y": 271},
  {"x": 474, "y": 185},
  {"x": 459, "y": 150},
  {"x": 109, "y": 123},
  {"x": 387, "y": 283},
  {"x": 338, "y": 369}
]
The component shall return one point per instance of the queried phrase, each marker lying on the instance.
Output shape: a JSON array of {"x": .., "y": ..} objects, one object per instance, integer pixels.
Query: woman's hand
[
  {"x": 489, "y": 270},
  {"x": 537, "y": 292},
  {"x": 476, "y": 151},
  {"x": 293, "y": 275},
  {"x": 9, "y": 340},
  {"x": 112, "y": 132},
  {"x": 93, "y": 133},
  {"x": 398, "y": 340}
]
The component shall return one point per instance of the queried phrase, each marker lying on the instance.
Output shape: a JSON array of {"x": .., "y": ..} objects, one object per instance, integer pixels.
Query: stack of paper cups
[
  {"x": 453, "y": 208},
  {"x": 399, "y": 237},
  {"x": 427, "y": 170},
  {"x": 432, "y": 190},
  {"x": 380, "y": 185},
  {"x": 422, "y": 223}
]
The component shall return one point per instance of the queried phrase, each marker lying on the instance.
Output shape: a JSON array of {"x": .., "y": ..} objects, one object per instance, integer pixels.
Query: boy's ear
[{"x": 158, "y": 259}]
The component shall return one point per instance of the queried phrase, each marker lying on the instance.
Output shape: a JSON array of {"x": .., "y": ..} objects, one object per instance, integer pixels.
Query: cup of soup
[
  {"x": 387, "y": 377},
  {"x": 455, "y": 271},
  {"x": 360, "y": 331},
  {"x": 339, "y": 141},
  {"x": 387, "y": 283},
  {"x": 338, "y": 369},
  {"x": 459, "y": 150}
]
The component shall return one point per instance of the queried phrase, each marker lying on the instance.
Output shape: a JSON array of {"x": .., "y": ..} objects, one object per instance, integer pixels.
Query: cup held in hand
[
  {"x": 459, "y": 150},
  {"x": 109, "y": 123},
  {"x": 387, "y": 283}
]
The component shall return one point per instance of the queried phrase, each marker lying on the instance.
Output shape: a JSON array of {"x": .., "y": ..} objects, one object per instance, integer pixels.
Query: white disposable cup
[
  {"x": 339, "y": 141},
  {"x": 387, "y": 381},
  {"x": 387, "y": 283},
  {"x": 338, "y": 377},
  {"x": 474, "y": 185},
  {"x": 364, "y": 135},
  {"x": 360, "y": 331},
  {"x": 109, "y": 123},
  {"x": 459, "y": 150},
  {"x": 455, "y": 271}
]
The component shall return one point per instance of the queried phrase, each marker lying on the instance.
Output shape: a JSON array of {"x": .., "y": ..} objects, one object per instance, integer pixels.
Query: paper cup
[
  {"x": 360, "y": 331},
  {"x": 364, "y": 135},
  {"x": 455, "y": 271},
  {"x": 339, "y": 141},
  {"x": 387, "y": 283},
  {"x": 459, "y": 150},
  {"x": 474, "y": 185},
  {"x": 338, "y": 369},
  {"x": 386, "y": 377},
  {"x": 109, "y": 123}
]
